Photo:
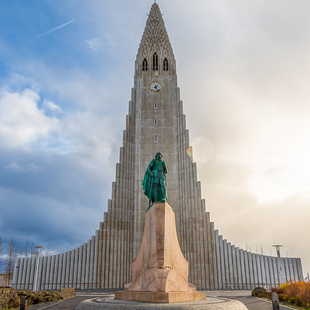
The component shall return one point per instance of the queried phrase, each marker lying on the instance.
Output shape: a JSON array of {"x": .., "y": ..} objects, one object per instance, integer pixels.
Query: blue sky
[
  {"x": 63, "y": 78},
  {"x": 243, "y": 69}
]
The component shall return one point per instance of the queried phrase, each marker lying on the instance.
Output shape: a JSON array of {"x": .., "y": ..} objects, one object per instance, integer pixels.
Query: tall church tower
[{"x": 155, "y": 122}]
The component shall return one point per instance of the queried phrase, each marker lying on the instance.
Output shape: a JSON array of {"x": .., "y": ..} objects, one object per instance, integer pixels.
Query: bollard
[
  {"x": 23, "y": 303},
  {"x": 275, "y": 301}
]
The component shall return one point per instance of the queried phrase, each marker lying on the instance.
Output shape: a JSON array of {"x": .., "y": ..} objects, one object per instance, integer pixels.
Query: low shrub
[
  {"x": 267, "y": 295},
  {"x": 292, "y": 289},
  {"x": 296, "y": 293},
  {"x": 39, "y": 297},
  {"x": 299, "y": 302},
  {"x": 277, "y": 290},
  {"x": 296, "y": 301},
  {"x": 298, "y": 289},
  {"x": 258, "y": 292},
  {"x": 283, "y": 286}
]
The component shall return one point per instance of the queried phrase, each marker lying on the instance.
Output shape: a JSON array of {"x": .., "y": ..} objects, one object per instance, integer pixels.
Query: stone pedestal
[{"x": 160, "y": 271}]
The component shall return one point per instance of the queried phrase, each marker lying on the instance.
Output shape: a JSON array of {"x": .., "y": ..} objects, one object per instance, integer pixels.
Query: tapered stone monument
[{"x": 160, "y": 271}]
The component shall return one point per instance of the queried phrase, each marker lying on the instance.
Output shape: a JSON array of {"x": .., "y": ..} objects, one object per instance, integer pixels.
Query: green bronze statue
[{"x": 154, "y": 182}]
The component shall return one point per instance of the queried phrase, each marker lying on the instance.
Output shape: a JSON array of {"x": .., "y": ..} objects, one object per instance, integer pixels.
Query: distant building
[{"x": 155, "y": 122}]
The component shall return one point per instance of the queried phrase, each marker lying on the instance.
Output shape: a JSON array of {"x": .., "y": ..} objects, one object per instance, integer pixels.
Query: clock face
[{"x": 155, "y": 87}]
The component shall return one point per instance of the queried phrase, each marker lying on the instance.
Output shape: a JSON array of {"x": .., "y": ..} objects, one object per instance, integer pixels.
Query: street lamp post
[
  {"x": 277, "y": 246},
  {"x": 35, "y": 281}
]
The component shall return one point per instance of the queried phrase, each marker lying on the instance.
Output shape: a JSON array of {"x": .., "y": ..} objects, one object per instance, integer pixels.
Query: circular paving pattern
[{"x": 211, "y": 303}]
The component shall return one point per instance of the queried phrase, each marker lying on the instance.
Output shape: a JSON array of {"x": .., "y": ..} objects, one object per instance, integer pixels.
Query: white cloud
[
  {"x": 95, "y": 44},
  {"x": 13, "y": 166},
  {"x": 21, "y": 121},
  {"x": 16, "y": 167},
  {"x": 99, "y": 45},
  {"x": 52, "y": 106}
]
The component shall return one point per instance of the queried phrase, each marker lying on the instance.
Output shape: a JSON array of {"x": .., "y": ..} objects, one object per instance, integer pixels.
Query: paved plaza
[{"x": 252, "y": 303}]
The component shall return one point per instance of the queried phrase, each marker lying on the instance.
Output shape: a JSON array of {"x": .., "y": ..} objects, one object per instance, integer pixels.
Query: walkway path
[
  {"x": 72, "y": 303},
  {"x": 252, "y": 303}
]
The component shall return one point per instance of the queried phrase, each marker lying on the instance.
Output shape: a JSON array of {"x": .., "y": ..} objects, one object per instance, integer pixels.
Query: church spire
[{"x": 155, "y": 39}]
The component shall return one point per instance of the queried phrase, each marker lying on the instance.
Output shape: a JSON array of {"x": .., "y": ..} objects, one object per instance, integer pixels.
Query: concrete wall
[
  {"x": 240, "y": 269},
  {"x": 76, "y": 269},
  {"x": 235, "y": 268}
]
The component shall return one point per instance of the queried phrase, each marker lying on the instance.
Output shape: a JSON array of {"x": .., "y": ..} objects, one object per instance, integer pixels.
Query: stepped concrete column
[
  {"x": 50, "y": 287},
  {"x": 33, "y": 262},
  {"x": 27, "y": 280}
]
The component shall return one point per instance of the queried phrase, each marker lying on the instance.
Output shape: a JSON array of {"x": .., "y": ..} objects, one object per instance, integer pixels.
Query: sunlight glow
[{"x": 201, "y": 150}]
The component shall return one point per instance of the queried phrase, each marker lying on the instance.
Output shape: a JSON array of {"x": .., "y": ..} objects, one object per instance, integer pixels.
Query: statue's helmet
[{"x": 158, "y": 155}]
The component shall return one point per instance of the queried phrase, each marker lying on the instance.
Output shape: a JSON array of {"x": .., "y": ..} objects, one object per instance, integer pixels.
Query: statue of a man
[{"x": 154, "y": 182}]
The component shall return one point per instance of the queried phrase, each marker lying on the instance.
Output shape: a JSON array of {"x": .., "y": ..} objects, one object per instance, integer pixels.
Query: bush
[
  {"x": 39, "y": 297},
  {"x": 299, "y": 302},
  {"x": 292, "y": 289},
  {"x": 296, "y": 301},
  {"x": 258, "y": 291},
  {"x": 284, "y": 286},
  {"x": 267, "y": 295},
  {"x": 281, "y": 297},
  {"x": 298, "y": 289},
  {"x": 277, "y": 290},
  {"x": 293, "y": 300}
]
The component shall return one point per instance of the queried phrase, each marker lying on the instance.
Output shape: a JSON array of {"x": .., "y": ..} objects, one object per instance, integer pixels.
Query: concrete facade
[{"x": 155, "y": 122}]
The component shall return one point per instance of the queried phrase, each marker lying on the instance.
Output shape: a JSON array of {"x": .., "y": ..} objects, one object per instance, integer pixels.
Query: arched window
[
  {"x": 165, "y": 65},
  {"x": 144, "y": 65},
  {"x": 155, "y": 62}
]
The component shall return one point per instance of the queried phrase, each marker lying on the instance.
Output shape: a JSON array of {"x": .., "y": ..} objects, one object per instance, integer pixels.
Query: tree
[
  {"x": 48, "y": 251},
  {"x": 12, "y": 253},
  {"x": 1, "y": 257},
  {"x": 27, "y": 251}
]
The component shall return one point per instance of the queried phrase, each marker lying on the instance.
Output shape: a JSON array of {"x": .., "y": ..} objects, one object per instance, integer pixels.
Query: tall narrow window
[
  {"x": 155, "y": 105},
  {"x": 155, "y": 121},
  {"x": 155, "y": 62},
  {"x": 155, "y": 139},
  {"x": 144, "y": 65},
  {"x": 165, "y": 65}
]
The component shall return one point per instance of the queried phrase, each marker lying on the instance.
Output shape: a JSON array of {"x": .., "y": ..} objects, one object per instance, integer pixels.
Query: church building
[{"x": 155, "y": 122}]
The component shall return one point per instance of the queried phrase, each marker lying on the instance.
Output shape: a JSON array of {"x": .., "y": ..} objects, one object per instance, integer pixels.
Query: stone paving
[
  {"x": 211, "y": 303},
  {"x": 244, "y": 296},
  {"x": 252, "y": 303}
]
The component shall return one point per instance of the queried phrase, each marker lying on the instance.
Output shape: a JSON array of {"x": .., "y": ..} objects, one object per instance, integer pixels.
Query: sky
[{"x": 66, "y": 73}]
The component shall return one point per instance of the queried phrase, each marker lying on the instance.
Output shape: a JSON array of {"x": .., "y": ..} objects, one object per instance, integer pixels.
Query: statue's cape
[{"x": 147, "y": 181}]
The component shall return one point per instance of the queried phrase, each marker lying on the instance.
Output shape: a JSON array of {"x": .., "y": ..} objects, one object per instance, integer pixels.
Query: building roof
[{"x": 155, "y": 37}]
